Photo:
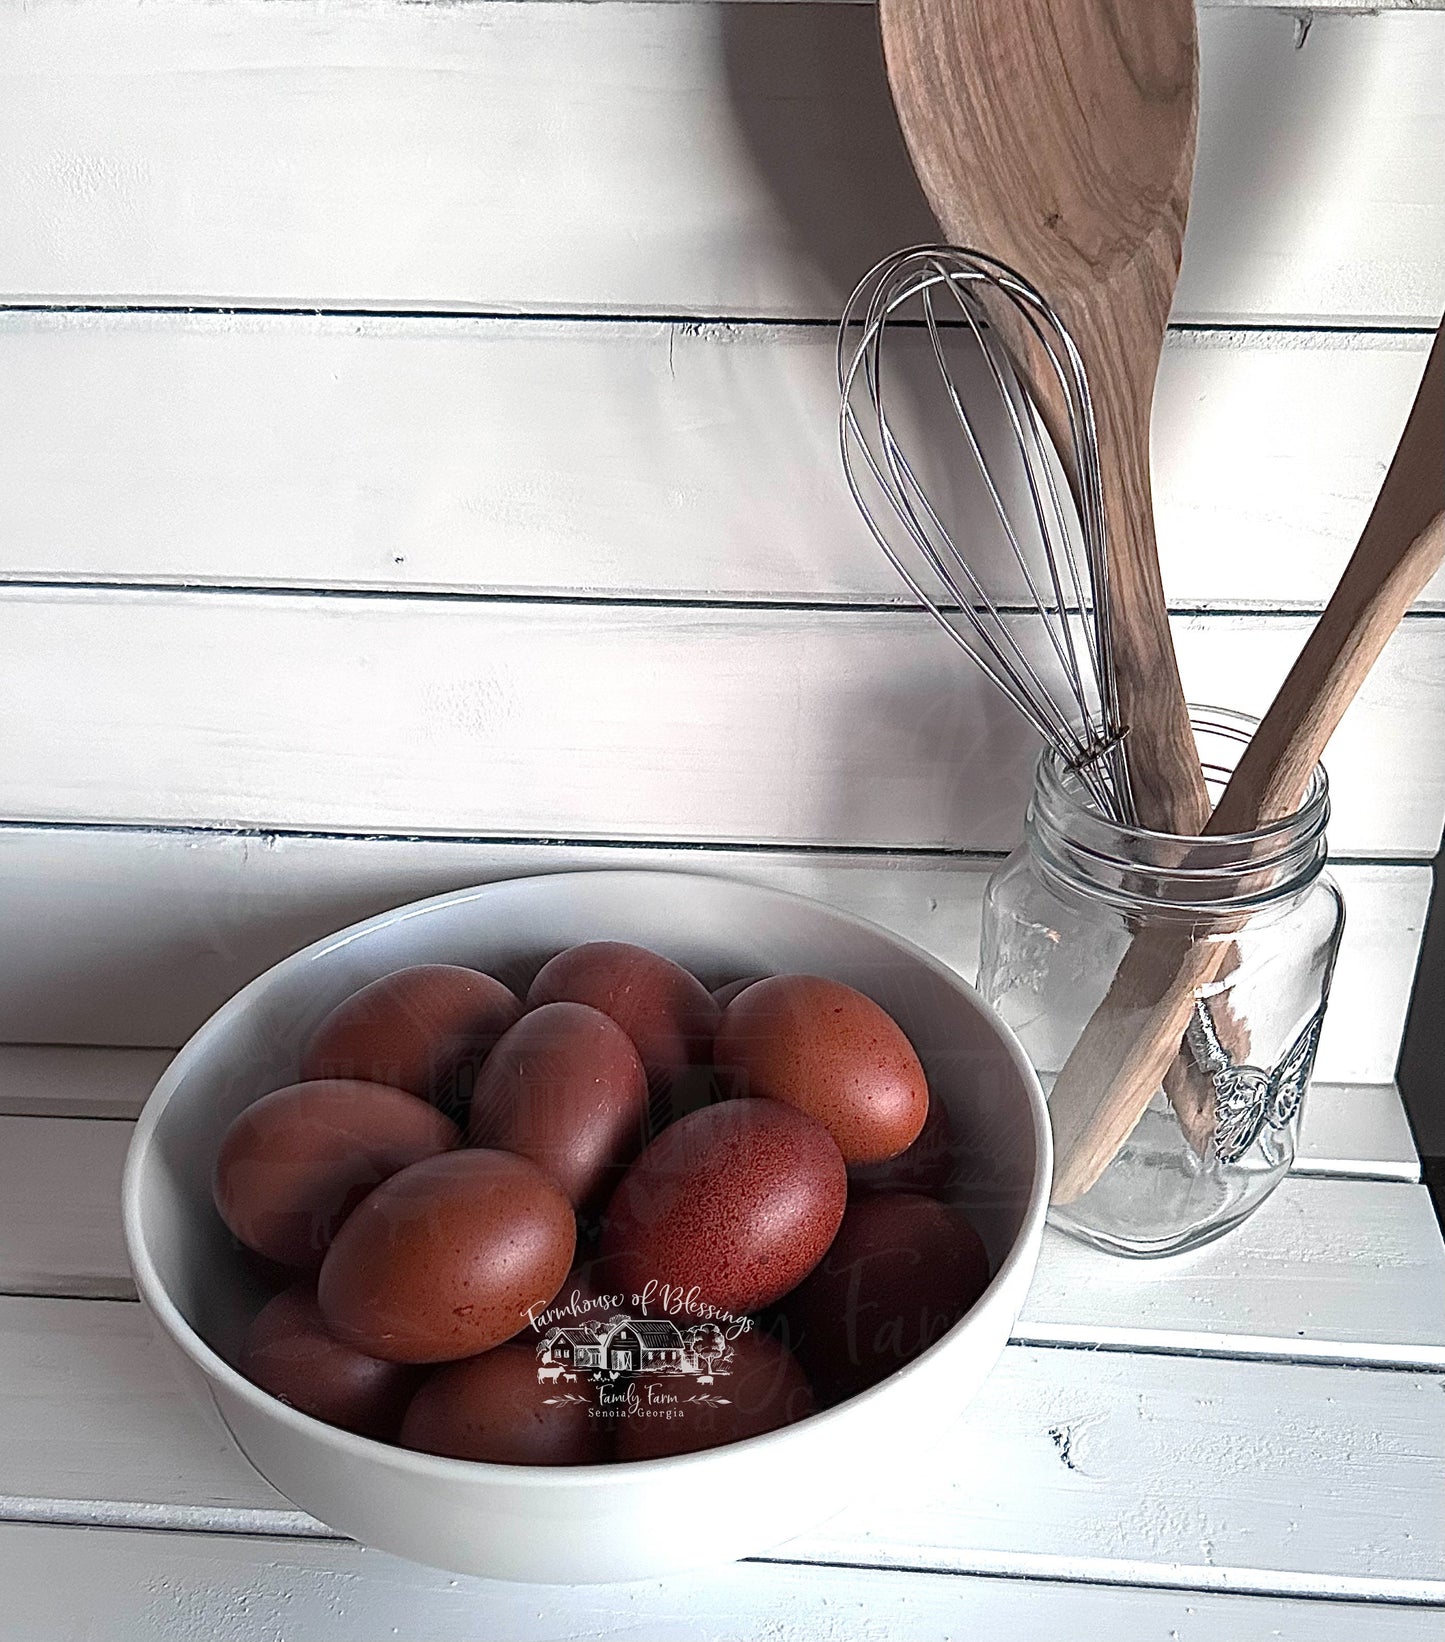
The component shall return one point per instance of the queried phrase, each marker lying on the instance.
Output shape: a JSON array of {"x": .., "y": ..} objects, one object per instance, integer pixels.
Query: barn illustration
[{"x": 622, "y": 1345}]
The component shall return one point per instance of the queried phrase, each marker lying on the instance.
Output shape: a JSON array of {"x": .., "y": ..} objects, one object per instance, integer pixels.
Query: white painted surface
[
  {"x": 59, "y": 1582},
  {"x": 645, "y": 159},
  {"x": 128, "y": 937},
  {"x": 1334, "y": 1269},
  {"x": 76, "y": 1080},
  {"x": 1349, "y": 1129},
  {"x": 414, "y": 715},
  {"x": 609, "y": 458},
  {"x": 1068, "y": 1465},
  {"x": 639, "y": 158}
]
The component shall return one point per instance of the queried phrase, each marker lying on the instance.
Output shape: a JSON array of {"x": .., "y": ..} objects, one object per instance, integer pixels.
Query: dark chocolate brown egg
[
  {"x": 731, "y": 1207},
  {"x": 901, "y": 1272},
  {"x": 295, "y": 1163},
  {"x": 447, "y": 1258},
  {"x": 668, "y": 1013},
  {"x": 289, "y": 1353},
  {"x": 722, "y": 996},
  {"x": 565, "y": 1087},
  {"x": 926, "y": 1166},
  {"x": 504, "y": 1407},
  {"x": 823, "y": 1047},
  {"x": 426, "y": 1030},
  {"x": 754, "y": 1385}
]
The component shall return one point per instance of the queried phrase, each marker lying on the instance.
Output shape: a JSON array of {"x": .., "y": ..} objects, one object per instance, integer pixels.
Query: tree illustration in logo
[{"x": 709, "y": 1346}]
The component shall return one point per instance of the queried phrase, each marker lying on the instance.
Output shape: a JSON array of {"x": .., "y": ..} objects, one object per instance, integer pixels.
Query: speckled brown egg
[
  {"x": 722, "y": 996},
  {"x": 756, "y": 1385},
  {"x": 425, "y": 1029},
  {"x": 926, "y": 1166},
  {"x": 495, "y": 1407},
  {"x": 565, "y": 1087},
  {"x": 447, "y": 1258},
  {"x": 668, "y": 1013},
  {"x": 731, "y": 1207},
  {"x": 289, "y": 1353},
  {"x": 901, "y": 1272},
  {"x": 295, "y": 1163},
  {"x": 821, "y": 1046}
]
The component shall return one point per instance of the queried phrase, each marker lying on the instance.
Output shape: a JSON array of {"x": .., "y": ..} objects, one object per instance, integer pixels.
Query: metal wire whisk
[{"x": 1066, "y": 688}]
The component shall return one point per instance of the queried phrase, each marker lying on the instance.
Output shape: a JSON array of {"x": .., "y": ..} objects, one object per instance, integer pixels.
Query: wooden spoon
[
  {"x": 1058, "y": 135},
  {"x": 1114, "y": 1069}
]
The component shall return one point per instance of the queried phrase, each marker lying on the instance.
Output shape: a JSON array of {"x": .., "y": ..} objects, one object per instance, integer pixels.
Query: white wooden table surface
[{"x": 417, "y": 467}]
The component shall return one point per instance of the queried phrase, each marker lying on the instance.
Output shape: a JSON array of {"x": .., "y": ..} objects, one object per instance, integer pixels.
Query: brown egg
[
  {"x": 445, "y": 1259},
  {"x": 723, "y": 995},
  {"x": 668, "y": 1013},
  {"x": 901, "y": 1272},
  {"x": 731, "y": 1207},
  {"x": 495, "y": 1407},
  {"x": 289, "y": 1353},
  {"x": 565, "y": 1087},
  {"x": 756, "y": 1385},
  {"x": 295, "y": 1163},
  {"x": 424, "y": 1029},
  {"x": 925, "y": 1166},
  {"x": 826, "y": 1049}
]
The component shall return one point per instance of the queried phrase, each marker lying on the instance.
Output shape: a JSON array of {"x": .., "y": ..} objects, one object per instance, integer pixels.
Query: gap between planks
[
  {"x": 59, "y": 1579},
  {"x": 1329, "y": 1269},
  {"x": 1068, "y": 1463}
]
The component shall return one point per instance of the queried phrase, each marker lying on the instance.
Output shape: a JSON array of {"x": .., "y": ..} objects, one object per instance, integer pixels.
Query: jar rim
[
  {"x": 1061, "y": 782},
  {"x": 1207, "y": 875}
]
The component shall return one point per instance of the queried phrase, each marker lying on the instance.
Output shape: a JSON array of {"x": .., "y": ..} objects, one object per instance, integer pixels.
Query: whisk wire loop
[{"x": 1057, "y": 551}]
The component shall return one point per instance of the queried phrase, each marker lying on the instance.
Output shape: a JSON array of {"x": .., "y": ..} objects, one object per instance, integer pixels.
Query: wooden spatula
[
  {"x": 1114, "y": 1069},
  {"x": 1058, "y": 135}
]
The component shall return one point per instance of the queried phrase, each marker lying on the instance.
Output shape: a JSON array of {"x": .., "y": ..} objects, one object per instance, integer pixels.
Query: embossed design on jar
[{"x": 1249, "y": 1097}]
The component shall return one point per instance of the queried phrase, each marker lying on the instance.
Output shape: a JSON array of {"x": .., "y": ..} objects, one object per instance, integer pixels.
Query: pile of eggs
[{"x": 463, "y": 1188}]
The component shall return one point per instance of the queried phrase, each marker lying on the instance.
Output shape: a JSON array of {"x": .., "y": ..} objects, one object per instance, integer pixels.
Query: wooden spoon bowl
[{"x": 1058, "y": 135}]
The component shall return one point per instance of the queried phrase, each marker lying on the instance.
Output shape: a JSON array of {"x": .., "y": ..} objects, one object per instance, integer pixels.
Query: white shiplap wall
[
  {"x": 585, "y": 572},
  {"x": 417, "y": 467}
]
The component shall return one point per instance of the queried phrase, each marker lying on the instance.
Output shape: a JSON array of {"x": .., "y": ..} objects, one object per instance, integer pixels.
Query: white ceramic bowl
[{"x": 588, "y": 1523}]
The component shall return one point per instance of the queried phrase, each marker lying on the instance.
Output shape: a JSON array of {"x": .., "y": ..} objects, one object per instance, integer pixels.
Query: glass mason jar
[{"x": 1240, "y": 931}]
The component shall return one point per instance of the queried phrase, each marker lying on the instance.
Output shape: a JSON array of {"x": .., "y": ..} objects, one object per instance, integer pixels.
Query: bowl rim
[{"x": 156, "y": 1298}]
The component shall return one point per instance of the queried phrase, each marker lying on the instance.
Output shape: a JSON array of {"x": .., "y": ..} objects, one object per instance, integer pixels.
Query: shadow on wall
[{"x": 810, "y": 100}]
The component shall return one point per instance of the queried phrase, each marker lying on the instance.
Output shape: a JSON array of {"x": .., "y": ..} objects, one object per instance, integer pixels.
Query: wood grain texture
[
  {"x": 60, "y": 1581},
  {"x": 1060, "y": 141},
  {"x": 420, "y": 716},
  {"x": 612, "y": 459},
  {"x": 1318, "y": 1479},
  {"x": 1327, "y": 1269},
  {"x": 681, "y": 159},
  {"x": 135, "y": 937},
  {"x": 1117, "y": 1064}
]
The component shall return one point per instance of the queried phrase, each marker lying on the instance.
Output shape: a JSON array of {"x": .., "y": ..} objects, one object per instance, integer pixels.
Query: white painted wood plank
[
  {"x": 1344, "y": 1270},
  {"x": 607, "y": 458},
  {"x": 1347, "y": 1129},
  {"x": 1357, "y": 1129},
  {"x": 60, "y": 1581},
  {"x": 79, "y": 1080},
  {"x": 1325, "y": 1269},
  {"x": 1070, "y": 1464},
  {"x": 130, "y": 937},
  {"x": 60, "y": 1229},
  {"x": 407, "y": 715},
  {"x": 673, "y": 158}
]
